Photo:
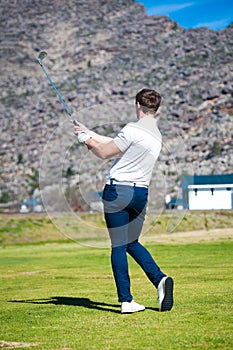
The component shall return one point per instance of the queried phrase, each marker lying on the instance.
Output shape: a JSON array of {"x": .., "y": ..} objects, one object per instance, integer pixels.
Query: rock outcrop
[{"x": 100, "y": 53}]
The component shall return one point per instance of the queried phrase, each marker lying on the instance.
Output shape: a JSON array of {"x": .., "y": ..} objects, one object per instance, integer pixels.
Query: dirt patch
[
  {"x": 14, "y": 345},
  {"x": 190, "y": 237}
]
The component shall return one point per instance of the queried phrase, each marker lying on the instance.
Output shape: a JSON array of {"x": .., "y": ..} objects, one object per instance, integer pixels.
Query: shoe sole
[
  {"x": 131, "y": 312},
  {"x": 167, "y": 302}
]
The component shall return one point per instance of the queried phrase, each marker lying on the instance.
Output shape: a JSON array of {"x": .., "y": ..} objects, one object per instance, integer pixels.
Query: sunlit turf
[{"x": 62, "y": 296}]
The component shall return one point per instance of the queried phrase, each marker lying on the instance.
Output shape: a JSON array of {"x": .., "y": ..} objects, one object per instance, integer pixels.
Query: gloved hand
[{"x": 83, "y": 136}]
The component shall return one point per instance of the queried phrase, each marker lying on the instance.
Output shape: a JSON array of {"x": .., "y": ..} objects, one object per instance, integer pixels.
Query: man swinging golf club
[{"x": 137, "y": 147}]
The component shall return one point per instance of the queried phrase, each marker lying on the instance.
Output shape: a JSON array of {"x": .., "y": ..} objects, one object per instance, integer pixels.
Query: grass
[
  {"x": 29, "y": 228},
  {"x": 55, "y": 294},
  {"x": 62, "y": 296}
]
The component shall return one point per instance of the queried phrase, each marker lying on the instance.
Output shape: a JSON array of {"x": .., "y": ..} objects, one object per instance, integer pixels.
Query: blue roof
[{"x": 207, "y": 179}]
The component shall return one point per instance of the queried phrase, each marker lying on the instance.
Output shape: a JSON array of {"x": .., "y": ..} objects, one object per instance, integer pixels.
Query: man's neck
[{"x": 143, "y": 115}]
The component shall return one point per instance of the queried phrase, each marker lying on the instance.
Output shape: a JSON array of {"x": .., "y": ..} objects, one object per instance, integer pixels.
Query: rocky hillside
[{"x": 100, "y": 53}]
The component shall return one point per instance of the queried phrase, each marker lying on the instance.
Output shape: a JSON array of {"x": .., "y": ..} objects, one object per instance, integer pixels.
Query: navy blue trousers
[{"x": 124, "y": 210}]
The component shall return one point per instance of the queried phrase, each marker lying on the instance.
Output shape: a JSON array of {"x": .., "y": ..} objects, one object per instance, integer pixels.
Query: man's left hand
[{"x": 83, "y": 136}]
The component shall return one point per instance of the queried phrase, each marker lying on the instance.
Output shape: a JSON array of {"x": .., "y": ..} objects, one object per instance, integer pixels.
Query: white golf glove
[{"x": 83, "y": 137}]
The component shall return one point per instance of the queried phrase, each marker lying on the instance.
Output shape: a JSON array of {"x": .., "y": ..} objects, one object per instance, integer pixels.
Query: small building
[
  {"x": 95, "y": 201},
  {"x": 175, "y": 203},
  {"x": 31, "y": 205},
  {"x": 207, "y": 192}
]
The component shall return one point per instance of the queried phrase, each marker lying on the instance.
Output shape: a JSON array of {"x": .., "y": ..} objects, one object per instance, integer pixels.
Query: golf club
[{"x": 41, "y": 56}]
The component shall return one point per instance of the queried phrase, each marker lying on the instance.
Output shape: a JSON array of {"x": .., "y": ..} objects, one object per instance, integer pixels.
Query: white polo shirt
[{"x": 140, "y": 144}]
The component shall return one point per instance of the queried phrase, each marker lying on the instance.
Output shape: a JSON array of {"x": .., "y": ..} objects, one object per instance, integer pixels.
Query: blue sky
[{"x": 214, "y": 14}]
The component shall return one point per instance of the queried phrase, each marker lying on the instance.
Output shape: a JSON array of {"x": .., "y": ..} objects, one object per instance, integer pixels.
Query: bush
[
  {"x": 216, "y": 149},
  {"x": 5, "y": 197}
]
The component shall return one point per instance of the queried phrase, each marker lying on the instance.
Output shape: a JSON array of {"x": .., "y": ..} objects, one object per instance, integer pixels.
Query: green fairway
[{"x": 62, "y": 296}]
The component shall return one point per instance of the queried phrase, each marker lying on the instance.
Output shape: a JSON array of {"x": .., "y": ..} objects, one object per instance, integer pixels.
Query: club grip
[{"x": 75, "y": 123}]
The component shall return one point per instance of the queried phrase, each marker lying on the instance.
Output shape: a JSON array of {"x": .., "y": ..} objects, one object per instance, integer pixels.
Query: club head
[{"x": 42, "y": 55}]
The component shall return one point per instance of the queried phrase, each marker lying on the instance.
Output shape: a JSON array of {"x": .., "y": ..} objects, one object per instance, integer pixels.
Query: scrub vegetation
[{"x": 36, "y": 228}]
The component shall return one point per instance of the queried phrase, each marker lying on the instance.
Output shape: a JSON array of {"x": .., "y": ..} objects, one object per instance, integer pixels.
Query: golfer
[{"x": 137, "y": 147}]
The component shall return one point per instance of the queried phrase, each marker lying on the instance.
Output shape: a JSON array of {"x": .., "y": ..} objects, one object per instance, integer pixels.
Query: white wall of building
[{"x": 208, "y": 197}]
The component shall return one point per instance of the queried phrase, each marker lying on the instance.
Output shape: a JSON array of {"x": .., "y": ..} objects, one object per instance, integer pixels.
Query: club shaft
[{"x": 57, "y": 92}]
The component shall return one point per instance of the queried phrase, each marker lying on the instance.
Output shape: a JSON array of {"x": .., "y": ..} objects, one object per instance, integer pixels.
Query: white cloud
[
  {"x": 222, "y": 23},
  {"x": 167, "y": 9}
]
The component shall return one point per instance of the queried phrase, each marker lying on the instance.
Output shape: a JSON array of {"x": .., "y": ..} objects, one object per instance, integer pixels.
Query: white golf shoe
[
  {"x": 130, "y": 307},
  {"x": 165, "y": 294}
]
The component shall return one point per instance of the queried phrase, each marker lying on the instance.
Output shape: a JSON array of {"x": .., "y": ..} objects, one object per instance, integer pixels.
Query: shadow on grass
[
  {"x": 83, "y": 302},
  {"x": 153, "y": 308}
]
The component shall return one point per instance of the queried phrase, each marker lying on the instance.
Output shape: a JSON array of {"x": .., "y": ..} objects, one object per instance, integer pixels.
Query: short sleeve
[{"x": 123, "y": 140}]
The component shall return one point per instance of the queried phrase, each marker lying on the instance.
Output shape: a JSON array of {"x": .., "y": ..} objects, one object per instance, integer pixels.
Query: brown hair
[{"x": 149, "y": 100}]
